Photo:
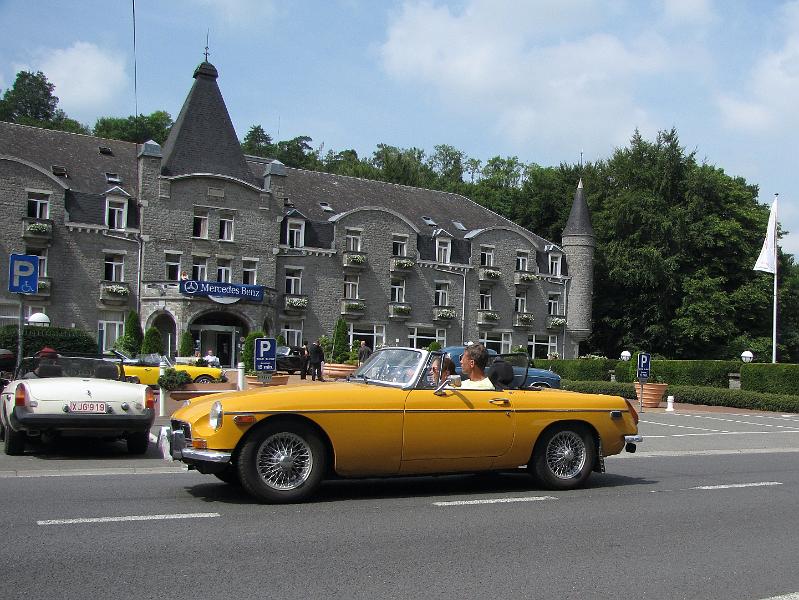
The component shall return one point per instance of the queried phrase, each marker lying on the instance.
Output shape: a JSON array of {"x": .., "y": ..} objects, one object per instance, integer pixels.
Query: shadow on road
[{"x": 75, "y": 448}]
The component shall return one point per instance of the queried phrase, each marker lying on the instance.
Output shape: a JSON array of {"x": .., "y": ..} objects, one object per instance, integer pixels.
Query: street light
[
  {"x": 39, "y": 320},
  {"x": 625, "y": 355},
  {"x": 747, "y": 356}
]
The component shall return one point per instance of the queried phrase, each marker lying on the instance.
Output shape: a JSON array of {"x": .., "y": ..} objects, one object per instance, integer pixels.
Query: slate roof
[
  {"x": 80, "y": 154},
  {"x": 579, "y": 222},
  {"x": 306, "y": 189},
  {"x": 203, "y": 139}
]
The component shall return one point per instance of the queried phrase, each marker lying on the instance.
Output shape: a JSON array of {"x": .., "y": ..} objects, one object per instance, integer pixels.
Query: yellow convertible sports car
[
  {"x": 147, "y": 368},
  {"x": 393, "y": 418}
]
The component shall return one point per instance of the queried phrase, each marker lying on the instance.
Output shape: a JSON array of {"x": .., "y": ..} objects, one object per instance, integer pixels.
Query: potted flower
[{"x": 117, "y": 290}]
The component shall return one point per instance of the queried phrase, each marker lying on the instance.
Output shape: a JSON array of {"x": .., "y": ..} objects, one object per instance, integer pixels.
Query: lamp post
[
  {"x": 39, "y": 320},
  {"x": 625, "y": 355},
  {"x": 747, "y": 356}
]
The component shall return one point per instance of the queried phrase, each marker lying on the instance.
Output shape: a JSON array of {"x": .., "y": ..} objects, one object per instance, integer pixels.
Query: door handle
[{"x": 500, "y": 401}]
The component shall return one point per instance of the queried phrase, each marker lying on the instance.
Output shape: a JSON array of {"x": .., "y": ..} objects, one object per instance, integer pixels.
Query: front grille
[{"x": 181, "y": 426}]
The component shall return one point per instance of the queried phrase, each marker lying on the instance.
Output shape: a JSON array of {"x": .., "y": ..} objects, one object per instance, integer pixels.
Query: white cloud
[
  {"x": 530, "y": 67},
  {"x": 242, "y": 12},
  {"x": 689, "y": 12},
  {"x": 87, "y": 79}
]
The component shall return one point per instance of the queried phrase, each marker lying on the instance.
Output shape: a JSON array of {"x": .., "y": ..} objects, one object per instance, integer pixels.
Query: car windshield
[
  {"x": 152, "y": 360},
  {"x": 67, "y": 366},
  {"x": 392, "y": 366}
]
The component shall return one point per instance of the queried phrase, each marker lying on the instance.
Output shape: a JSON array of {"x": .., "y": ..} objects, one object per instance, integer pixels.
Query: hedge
[
  {"x": 64, "y": 340},
  {"x": 703, "y": 373},
  {"x": 708, "y": 396},
  {"x": 777, "y": 379},
  {"x": 579, "y": 369}
]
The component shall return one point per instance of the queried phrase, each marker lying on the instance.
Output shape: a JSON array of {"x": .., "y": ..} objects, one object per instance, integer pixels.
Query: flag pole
[{"x": 774, "y": 316}]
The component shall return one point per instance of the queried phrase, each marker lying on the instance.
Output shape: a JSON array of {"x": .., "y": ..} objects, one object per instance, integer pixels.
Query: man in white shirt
[
  {"x": 473, "y": 364},
  {"x": 211, "y": 359}
]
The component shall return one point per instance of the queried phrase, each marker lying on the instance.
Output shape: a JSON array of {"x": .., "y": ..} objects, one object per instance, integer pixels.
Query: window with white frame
[
  {"x": 295, "y": 234},
  {"x": 109, "y": 329},
  {"x": 224, "y": 274},
  {"x": 520, "y": 302},
  {"x": 541, "y": 346},
  {"x": 443, "y": 250},
  {"x": 172, "y": 266},
  {"x": 351, "y": 287},
  {"x": 398, "y": 290},
  {"x": 199, "y": 268},
  {"x": 486, "y": 256},
  {"x": 485, "y": 298},
  {"x": 200, "y": 227},
  {"x": 374, "y": 336},
  {"x": 249, "y": 272},
  {"x": 226, "y": 229},
  {"x": 442, "y": 293},
  {"x": 554, "y": 264},
  {"x": 419, "y": 337},
  {"x": 352, "y": 240},
  {"x": 114, "y": 267},
  {"x": 293, "y": 281},
  {"x": 522, "y": 259},
  {"x": 9, "y": 313},
  {"x": 498, "y": 342},
  {"x": 399, "y": 245},
  {"x": 292, "y": 333},
  {"x": 116, "y": 213},
  {"x": 38, "y": 206},
  {"x": 42, "y": 254},
  {"x": 553, "y": 304}
]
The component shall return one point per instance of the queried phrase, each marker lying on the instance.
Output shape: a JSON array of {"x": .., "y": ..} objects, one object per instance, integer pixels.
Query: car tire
[
  {"x": 563, "y": 457},
  {"x": 297, "y": 457},
  {"x": 204, "y": 379},
  {"x": 13, "y": 441},
  {"x": 138, "y": 442},
  {"x": 230, "y": 475}
]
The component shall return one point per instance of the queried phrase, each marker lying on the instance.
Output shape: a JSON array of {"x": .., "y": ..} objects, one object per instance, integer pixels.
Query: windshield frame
[{"x": 380, "y": 360}]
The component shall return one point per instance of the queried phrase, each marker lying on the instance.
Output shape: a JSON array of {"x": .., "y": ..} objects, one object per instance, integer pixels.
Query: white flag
[{"x": 767, "y": 261}]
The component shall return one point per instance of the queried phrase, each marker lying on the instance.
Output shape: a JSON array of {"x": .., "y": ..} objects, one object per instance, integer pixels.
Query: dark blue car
[{"x": 534, "y": 377}]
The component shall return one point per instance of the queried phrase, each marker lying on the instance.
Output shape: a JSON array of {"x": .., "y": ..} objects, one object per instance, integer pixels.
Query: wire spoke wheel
[
  {"x": 566, "y": 455},
  {"x": 284, "y": 461}
]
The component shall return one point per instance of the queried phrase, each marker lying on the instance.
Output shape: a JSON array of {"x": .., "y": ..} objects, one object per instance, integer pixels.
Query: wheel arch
[{"x": 574, "y": 423}]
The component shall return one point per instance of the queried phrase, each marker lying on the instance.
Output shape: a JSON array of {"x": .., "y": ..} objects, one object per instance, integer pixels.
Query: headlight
[{"x": 215, "y": 416}]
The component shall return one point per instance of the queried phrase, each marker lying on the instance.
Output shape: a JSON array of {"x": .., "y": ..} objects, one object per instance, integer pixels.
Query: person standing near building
[
  {"x": 304, "y": 359},
  {"x": 315, "y": 357},
  {"x": 364, "y": 352}
]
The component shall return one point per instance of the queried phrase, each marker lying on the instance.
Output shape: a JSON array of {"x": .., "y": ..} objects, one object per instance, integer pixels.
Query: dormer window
[
  {"x": 296, "y": 234},
  {"x": 113, "y": 178},
  {"x": 325, "y": 206},
  {"x": 106, "y": 151},
  {"x": 59, "y": 171},
  {"x": 443, "y": 250},
  {"x": 429, "y": 221},
  {"x": 116, "y": 214},
  {"x": 459, "y": 225}
]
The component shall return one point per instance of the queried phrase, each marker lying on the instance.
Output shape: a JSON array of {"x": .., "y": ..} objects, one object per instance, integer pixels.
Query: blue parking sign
[
  {"x": 23, "y": 273},
  {"x": 265, "y": 353},
  {"x": 644, "y": 365}
]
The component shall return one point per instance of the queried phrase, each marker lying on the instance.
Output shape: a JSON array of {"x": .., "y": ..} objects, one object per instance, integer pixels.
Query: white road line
[
  {"x": 736, "y": 485},
  {"x": 692, "y": 453},
  {"x": 794, "y": 596},
  {"x": 494, "y": 501},
  {"x": 741, "y": 422},
  {"x": 673, "y": 435},
  {"x": 94, "y": 472},
  {"x": 128, "y": 518},
  {"x": 679, "y": 426}
]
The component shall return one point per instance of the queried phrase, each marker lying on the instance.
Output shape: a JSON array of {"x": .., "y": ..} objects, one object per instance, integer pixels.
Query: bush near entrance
[
  {"x": 186, "y": 346},
  {"x": 152, "y": 343},
  {"x": 65, "y": 341},
  {"x": 172, "y": 379},
  {"x": 249, "y": 350},
  {"x": 775, "y": 379}
]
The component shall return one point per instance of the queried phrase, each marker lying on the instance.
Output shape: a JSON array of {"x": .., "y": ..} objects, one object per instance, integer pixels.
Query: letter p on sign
[{"x": 23, "y": 273}]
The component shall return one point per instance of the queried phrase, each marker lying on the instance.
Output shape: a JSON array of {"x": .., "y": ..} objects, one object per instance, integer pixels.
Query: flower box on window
[
  {"x": 444, "y": 313},
  {"x": 555, "y": 322},
  {"x": 399, "y": 310},
  {"x": 295, "y": 303},
  {"x": 524, "y": 320},
  {"x": 401, "y": 264},
  {"x": 352, "y": 307},
  {"x": 487, "y": 317},
  {"x": 354, "y": 260},
  {"x": 489, "y": 274},
  {"x": 524, "y": 278},
  {"x": 37, "y": 230},
  {"x": 114, "y": 293}
]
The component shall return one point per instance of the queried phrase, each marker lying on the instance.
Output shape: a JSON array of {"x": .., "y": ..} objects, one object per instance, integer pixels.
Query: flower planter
[
  {"x": 653, "y": 394},
  {"x": 338, "y": 370}
]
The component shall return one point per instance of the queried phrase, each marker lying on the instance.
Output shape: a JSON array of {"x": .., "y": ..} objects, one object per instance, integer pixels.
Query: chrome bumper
[
  {"x": 630, "y": 442},
  {"x": 173, "y": 447}
]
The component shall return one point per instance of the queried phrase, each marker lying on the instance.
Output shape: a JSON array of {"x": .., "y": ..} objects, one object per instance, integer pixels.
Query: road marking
[
  {"x": 128, "y": 518},
  {"x": 94, "y": 472},
  {"x": 709, "y": 418},
  {"x": 736, "y": 485},
  {"x": 785, "y": 597},
  {"x": 687, "y": 453},
  {"x": 673, "y": 435},
  {"x": 494, "y": 501}
]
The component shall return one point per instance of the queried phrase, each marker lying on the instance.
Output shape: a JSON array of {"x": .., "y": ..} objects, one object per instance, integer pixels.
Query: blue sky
[{"x": 537, "y": 79}]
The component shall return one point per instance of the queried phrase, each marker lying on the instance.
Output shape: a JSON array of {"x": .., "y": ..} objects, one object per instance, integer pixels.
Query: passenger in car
[{"x": 473, "y": 364}]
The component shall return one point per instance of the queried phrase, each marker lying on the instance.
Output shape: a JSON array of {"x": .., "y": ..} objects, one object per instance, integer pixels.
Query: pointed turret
[
  {"x": 578, "y": 245},
  {"x": 203, "y": 139}
]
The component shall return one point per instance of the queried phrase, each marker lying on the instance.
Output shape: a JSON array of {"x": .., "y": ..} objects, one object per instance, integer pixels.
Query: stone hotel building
[{"x": 119, "y": 226}]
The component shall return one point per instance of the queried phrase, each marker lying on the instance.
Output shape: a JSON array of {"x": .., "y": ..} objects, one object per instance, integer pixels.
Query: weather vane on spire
[{"x": 207, "y": 32}]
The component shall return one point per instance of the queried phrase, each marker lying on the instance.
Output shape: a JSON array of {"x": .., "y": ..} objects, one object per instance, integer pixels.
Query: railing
[
  {"x": 489, "y": 275},
  {"x": 444, "y": 313},
  {"x": 352, "y": 307},
  {"x": 488, "y": 317},
  {"x": 115, "y": 292},
  {"x": 523, "y": 319},
  {"x": 524, "y": 278},
  {"x": 295, "y": 303},
  {"x": 399, "y": 310},
  {"x": 556, "y": 321},
  {"x": 401, "y": 264},
  {"x": 355, "y": 261}
]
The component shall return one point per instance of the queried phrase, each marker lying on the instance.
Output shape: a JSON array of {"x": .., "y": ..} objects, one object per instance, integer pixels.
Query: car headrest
[
  {"x": 501, "y": 373},
  {"x": 50, "y": 371},
  {"x": 107, "y": 371}
]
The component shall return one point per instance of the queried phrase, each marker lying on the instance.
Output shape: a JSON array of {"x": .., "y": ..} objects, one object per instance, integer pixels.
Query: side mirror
[{"x": 451, "y": 381}]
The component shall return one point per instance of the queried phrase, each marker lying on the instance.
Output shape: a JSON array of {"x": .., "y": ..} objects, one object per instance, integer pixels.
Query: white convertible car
[{"x": 75, "y": 396}]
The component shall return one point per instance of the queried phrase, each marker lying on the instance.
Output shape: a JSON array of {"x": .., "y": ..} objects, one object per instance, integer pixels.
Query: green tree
[
  {"x": 137, "y": 129},
  {"x": 186, "y": 346},
  {"x": 340, "y": 342},
  {"x": 152, "y": 343},
  {"x": 298, "y": 153},
  {"x": 258, "y": 143},
  {"x": 133, "y": 334},
  {"x": 31, "y": 101},
  {"x": 249, "y": 350}
]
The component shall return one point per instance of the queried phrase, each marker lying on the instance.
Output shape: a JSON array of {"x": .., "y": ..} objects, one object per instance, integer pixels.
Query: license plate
[{"x": 87, "y": 406}]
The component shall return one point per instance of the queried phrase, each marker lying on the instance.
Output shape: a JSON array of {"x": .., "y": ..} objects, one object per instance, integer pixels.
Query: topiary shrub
[
  {"x": 579, "y": 369},
  {"x": 186, "y": 346},
  {"x": 434, "y": 346},
  {"x": 152, "y": 343},
  {"x": 249, "y": 350},
  {"x": 340, "y": 342},
  {"x": 281, "y": 341},
  {"x": 702, "y": 373},
  {"x": 173, "y": 379},
  {"x": 770, "y": 378},
  {"x": 134, "y": 336},
  {"x": 327, "y": 347}
]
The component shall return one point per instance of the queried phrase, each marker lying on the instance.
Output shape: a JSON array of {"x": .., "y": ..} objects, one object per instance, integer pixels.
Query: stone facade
[{"x": 401, "y": 265}]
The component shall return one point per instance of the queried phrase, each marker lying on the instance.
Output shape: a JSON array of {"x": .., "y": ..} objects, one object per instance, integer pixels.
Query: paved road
[{"x": 708, "y": 510}]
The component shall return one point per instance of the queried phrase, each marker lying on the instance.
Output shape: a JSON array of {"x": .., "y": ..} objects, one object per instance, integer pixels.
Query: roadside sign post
[
  {"x": 265, "y": 358},
  {"x": 23, "y": 278},
  {"x": 644, "y": 366}
]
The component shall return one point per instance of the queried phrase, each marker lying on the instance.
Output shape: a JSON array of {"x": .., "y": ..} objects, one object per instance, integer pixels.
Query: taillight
[
  {"x": 21, "y": 396},
  {"x": 149, "y": 398},
  {"x": 633, "y": 412}
]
